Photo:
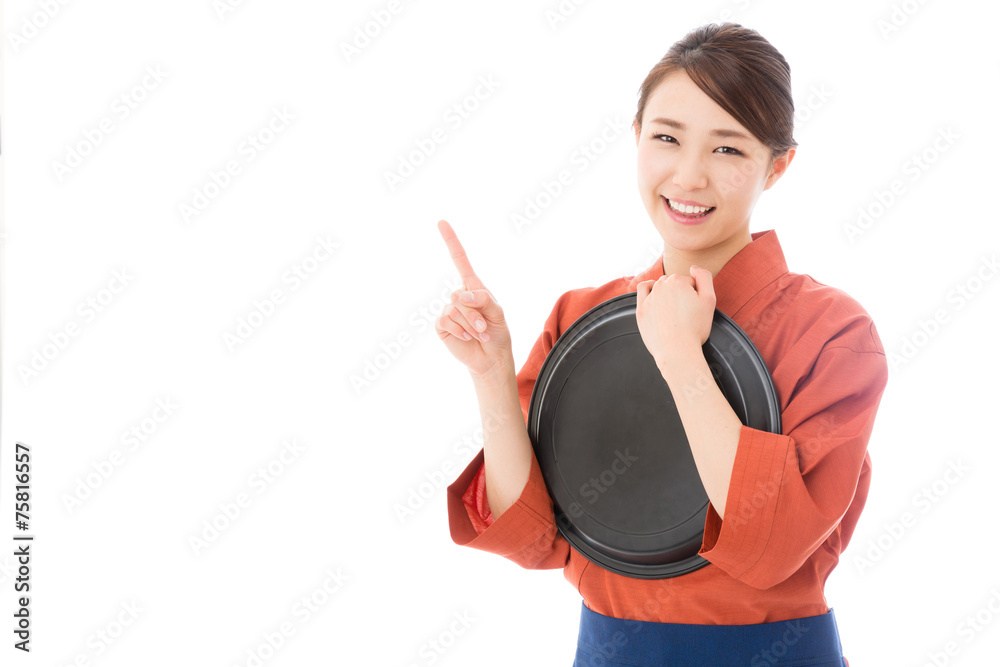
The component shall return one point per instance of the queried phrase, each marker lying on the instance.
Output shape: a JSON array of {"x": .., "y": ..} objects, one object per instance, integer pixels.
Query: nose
[{"x": 689, "y": 172}]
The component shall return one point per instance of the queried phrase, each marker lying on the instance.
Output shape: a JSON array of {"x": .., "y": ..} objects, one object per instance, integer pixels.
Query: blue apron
[{"x": 615, "y": 642}]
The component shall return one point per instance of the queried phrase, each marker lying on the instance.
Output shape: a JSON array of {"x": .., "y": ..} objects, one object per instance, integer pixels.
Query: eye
[
  {"x": 727, "y": 150},
  {"x": 730, "y": 148}
]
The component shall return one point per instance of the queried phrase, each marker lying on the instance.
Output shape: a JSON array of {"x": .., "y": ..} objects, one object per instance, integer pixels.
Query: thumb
[
  {"x": 703, "y": 282},
  {"x": 483, "y": 301},
  {"x": 642, "y": 291}
]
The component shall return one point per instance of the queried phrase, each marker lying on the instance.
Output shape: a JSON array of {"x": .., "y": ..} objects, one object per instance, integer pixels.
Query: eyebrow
[{"x": 717, "y": 133}]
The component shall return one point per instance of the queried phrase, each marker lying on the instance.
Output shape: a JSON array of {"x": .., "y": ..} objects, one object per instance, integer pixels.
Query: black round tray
[{"x": 611, "y": 446}]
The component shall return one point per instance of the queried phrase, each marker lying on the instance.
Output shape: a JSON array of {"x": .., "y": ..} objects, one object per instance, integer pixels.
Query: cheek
[
  {"x": 737, "y": 182},
  {"x": 651, "y": 169}
]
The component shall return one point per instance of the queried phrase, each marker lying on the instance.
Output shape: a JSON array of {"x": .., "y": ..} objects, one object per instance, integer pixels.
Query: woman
[{"x": 713, "y": 130}]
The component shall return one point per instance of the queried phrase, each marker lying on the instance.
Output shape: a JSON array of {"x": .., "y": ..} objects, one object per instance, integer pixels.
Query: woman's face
[{"x": 692, "y": 151}]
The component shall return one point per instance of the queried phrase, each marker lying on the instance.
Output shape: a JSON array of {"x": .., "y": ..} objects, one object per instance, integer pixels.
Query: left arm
[
  {"x": 711, "y": 426},
  {"x": 674, "y": 328},
  {"x": 786, "y": 492}
]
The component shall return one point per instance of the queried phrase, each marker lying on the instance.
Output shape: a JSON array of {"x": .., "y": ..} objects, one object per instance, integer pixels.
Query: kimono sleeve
[
  {"x": 526, "y": 532},
  {"x": 788, "y": 492}
]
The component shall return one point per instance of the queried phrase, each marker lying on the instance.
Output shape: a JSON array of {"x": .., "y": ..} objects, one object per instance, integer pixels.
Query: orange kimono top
[{"x": 794, "y": 498}]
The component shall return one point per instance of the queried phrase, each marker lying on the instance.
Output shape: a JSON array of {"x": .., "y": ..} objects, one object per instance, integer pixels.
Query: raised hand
[{"x": 472, "y": 326}]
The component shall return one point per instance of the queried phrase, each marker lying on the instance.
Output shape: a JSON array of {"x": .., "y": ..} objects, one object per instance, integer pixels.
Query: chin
[
  {"x": 684, "y": 238},
  {"x": 686, "y": 244}
]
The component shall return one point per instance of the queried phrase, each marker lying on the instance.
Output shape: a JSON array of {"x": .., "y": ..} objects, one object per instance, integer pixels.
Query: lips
[
  {"x": 687, "y": 209},
  {"x": 691, "y": 221}
]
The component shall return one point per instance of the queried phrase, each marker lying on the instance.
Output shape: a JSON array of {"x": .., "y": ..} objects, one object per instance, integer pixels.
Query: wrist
[
  {"x": 499, "y": 375},
  {"x": 681, "y": 361}
]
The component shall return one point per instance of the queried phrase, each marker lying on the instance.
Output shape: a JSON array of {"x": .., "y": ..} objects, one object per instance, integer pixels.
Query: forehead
[{"x": 679, "y": 98}]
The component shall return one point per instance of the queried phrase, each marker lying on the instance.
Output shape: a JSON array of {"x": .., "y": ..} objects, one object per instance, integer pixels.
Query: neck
[{"x": 714, "y": 258}]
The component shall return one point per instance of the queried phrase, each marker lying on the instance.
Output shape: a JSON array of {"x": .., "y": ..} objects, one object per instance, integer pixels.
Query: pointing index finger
[{"x": 458, "y": 256}]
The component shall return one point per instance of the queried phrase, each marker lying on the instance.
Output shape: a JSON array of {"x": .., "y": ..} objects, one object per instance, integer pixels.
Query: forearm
[
  {"x": 711, "y": 426},
  {"x": 506, "y": 445}
]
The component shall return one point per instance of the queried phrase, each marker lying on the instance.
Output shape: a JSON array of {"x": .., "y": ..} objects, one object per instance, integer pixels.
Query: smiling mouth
[{"x": 689, "y": 211}]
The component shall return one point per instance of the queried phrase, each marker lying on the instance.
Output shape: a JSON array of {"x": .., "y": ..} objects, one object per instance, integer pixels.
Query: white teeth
[{"x": 684, "y": 208}]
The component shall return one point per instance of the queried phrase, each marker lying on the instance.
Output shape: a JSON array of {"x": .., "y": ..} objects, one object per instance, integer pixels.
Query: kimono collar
[{"x": 755, "y": 266}]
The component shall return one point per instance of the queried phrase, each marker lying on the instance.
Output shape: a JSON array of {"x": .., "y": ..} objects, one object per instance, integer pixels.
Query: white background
[{"x": 868, "y": 102}]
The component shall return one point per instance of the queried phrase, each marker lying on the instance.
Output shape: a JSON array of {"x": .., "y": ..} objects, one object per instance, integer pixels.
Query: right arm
[
  {"x": 475, "y": 331},
  {"x": 506, "y": 446},
  {"x": 517, "y": 519}
]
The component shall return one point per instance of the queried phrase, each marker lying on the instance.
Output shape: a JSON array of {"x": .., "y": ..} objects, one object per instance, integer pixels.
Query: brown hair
[{"x": 741, "y": 72}]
